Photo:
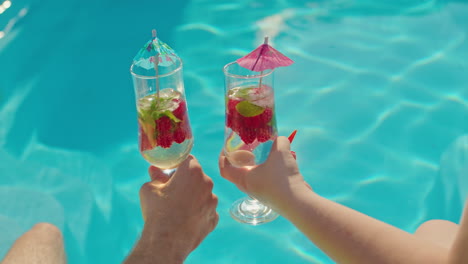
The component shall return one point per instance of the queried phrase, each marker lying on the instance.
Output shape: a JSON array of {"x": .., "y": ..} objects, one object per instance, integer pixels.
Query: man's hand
[{"x": 179, "y": 213}]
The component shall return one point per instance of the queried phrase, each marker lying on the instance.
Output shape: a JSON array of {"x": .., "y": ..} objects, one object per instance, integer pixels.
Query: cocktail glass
[
  {"x": 249, "y": 131},
  {"x": 165, "y": 136}
]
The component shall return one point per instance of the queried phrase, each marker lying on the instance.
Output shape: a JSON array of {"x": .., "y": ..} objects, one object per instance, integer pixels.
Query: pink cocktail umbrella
[{"x": 265, "y": 57}]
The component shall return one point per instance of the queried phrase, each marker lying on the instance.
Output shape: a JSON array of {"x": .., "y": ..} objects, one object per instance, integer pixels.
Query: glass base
[{"x": 252, "y": 212}]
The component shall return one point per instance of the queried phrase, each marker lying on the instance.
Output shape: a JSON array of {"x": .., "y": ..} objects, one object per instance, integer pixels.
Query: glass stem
[
  {"x": 169, "y": 172},
  {"x": 253, "y": 205},
  {"x": 252, "y": 200}
]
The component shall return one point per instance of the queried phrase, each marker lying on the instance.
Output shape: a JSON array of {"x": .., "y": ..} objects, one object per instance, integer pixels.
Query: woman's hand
[{"x": 271, "y": 182}]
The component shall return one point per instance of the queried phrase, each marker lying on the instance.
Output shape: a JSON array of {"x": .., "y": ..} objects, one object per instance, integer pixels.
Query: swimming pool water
[{"x": 378, "y": 93}]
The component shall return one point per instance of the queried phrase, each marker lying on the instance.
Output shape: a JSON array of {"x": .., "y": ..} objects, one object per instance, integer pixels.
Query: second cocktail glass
[{"x": 249, "y": 131}]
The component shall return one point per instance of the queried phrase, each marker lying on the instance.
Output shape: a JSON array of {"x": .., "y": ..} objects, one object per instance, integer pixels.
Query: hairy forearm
[
  {"x": 139, "y": 256},
  {"x": 348, "y": 236},
  {"x": 147, "y": 255},
  {"x": 156, "y": 247}
]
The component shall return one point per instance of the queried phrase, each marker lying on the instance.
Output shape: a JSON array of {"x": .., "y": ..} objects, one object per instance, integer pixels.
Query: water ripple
[{"x": 431, "y": 58}]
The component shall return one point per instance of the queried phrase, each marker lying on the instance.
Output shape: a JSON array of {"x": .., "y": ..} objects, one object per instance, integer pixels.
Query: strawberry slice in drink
[
  {"x": 164, "y": 136},
  {"x": 259, "y": 121},
  {"x": 144, "y": 141},
  {"x": 264, "y": 133},
  {"x": 253, "y": 121},
  {"x": 165, "y": 139},
  {"x": 163, "y": 120},
  {"x": 233, "y": 119},
  {"x": 180, "y": 133},
  {"x": 163, "y": 125},
  {"x": 248, "y": 135},
  {"x": 182, "y": 129},
  {"x": 181, "y": 110},
  {"x": 146, "y": 136}
]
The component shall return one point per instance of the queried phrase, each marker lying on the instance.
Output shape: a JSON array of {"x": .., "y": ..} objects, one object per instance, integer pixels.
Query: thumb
[
  {"x": 231, "y": 173},
  {"x": 280, "y": 145},
  {"x": 157, "y": 175}
]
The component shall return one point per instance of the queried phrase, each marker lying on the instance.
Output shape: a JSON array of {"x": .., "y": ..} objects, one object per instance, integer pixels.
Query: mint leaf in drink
[
  {"x": 172, "y": 116},
  {"x": 155, "y": 106},
  {"x": 248, "y": 109},
  {"x": 155, "y": 115}
]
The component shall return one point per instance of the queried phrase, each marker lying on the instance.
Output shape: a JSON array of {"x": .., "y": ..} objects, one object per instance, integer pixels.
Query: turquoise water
[{"x": 378, "y": 93}]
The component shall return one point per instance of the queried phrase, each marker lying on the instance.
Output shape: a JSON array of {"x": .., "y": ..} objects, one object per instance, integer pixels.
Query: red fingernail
[
  {"x": 291, "y": 137},
  {"x": 294, "y": 154}
]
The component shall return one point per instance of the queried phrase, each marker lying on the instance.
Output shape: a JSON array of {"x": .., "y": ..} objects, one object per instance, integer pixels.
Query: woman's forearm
[{"x": 348, "y": 236}]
